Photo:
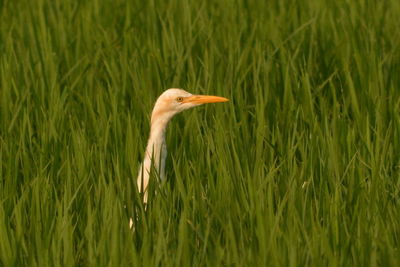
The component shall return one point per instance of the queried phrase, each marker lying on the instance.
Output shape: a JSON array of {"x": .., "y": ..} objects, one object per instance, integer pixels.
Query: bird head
[{"x": 173, "y": 101}]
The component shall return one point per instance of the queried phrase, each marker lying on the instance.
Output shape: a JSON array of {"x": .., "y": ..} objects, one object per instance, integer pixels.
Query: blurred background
[{"x": 300, "y": 168}]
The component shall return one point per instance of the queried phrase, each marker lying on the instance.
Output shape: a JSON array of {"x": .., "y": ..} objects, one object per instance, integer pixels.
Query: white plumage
[{"x": 168, "y": 104}]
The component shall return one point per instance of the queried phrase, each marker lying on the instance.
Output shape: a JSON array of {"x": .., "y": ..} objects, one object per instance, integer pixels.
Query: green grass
[{"x": 300, "y": 168}]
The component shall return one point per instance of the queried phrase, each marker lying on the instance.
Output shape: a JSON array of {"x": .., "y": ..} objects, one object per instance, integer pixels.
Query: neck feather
[{"x": 156, "y": 150}]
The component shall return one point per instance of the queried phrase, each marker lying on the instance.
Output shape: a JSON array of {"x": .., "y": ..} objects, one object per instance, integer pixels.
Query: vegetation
[{"x": 300, "y": 168}]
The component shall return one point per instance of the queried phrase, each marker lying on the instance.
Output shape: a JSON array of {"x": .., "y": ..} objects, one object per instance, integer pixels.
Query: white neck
[{"x": 156, "y": 153}]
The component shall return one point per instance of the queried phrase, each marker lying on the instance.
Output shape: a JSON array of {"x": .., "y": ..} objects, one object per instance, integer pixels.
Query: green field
[{"x": 300, "y": 168}]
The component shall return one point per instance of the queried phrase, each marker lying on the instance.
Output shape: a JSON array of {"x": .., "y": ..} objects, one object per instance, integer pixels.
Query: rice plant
[{"x": 300, "y": 168}]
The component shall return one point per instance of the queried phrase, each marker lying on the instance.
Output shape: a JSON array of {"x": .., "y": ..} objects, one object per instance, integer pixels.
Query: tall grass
[{"x": 300, "y": 168}]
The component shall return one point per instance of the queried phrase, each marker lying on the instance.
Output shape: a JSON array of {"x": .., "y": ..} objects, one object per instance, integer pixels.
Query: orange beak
[{"x": 203, "y": 99}]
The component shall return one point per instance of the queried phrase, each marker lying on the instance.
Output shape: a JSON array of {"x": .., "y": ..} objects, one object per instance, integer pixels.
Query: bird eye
[{"x": 179, "y": 99}]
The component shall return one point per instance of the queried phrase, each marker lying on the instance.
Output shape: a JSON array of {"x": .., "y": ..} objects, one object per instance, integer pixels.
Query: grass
[{"x": 300, "y": 168}]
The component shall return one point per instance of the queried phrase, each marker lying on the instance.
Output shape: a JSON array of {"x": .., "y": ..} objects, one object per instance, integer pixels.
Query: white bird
[{"x": 169, "y": 103}]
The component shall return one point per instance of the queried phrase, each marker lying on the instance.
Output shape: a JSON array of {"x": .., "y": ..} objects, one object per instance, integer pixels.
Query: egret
[{"x": 168, "y": 104}]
